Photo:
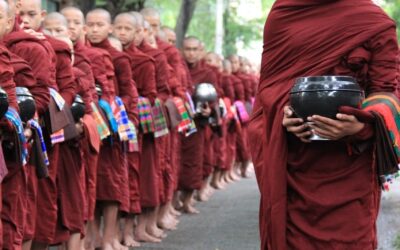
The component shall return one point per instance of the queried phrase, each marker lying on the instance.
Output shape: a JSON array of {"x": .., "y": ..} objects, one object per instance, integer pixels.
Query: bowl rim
[{"x": 325, "y": 78}]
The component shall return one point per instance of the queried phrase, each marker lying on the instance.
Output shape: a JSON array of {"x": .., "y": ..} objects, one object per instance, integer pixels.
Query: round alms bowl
[
  {"x": 78, "y": 108},
  {"x": 26, "y": 104},
  {"x": 324, "y": 95}
]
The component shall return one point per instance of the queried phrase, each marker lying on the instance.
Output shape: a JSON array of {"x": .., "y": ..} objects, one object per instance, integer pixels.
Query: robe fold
[
  {"x": 140, "y": 169},
  {"x": 296, "y": 179},
  {"x": 113, "y": 172}
]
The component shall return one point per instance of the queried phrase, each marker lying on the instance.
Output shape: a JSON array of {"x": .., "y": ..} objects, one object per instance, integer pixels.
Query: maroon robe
[
  {"x": 32, "y": 50},
  {"x": 90, "y": 156},
  {"x": 196, "y": 162},
  {"x": 142, "y": 178},
  {"x": 296, "y": 179},
  {"x": 113, "y": 174},
  {"x": 163, "y": 93}
]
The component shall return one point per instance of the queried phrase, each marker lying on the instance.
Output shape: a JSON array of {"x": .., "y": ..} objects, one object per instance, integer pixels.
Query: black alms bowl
[
  {"x": 26, "y": 103},
  {"x": 323, "y": 95},
  {"x": 3, "y": 102},
  {"x": 78, "y": 108}
]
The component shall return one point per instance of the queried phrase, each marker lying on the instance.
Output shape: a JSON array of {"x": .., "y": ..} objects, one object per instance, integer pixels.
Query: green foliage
[
  {"x": 392, "y": 7},
  {"x": 396, "y": 242}
]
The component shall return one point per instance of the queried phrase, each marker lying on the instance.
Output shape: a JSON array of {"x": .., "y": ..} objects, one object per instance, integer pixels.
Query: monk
[
  {"x": 152, "y": 16},
  {"x": 143, "y": 69},
  {"x": 243, "y": 95},
  {"x": 13, "y": 184},
  {"x": 298, "y": 210},
  {"x": 143, "y": 40},
  {"x": 112, "y": 169},
  {"x": 170, "y": 33},
  {"x": 229, "y": 92},
  {"x": 27, "y": 74},
  {"x": 31, "y": 14},
  {"x": 93, "y": 62},
  {"x": 193, "y": 147}
]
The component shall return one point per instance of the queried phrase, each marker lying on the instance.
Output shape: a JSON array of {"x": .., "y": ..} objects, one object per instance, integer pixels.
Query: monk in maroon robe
[
  {"x": 297, "y": 177},
  {"x": 161, "y": 150},
  {"x": 143, "y": 70},
  {"x": 193, "y": 147},
  {"x": 92, "y": 63},
  {"x": 21, "y": 203},
  {"x": 229, "y": 92},
  {"x": 113, "y": 173},
  {"x": 167, "y": 216},
  {"x": 242, "y": 86}
]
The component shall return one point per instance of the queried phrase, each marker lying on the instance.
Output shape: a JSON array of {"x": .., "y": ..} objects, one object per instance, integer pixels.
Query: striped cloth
[
  {"x": 102, "y": 127},
  {"x": 186, "y": 121},
  {"x": 145, "y": 116},
  {"x": 12, "y": 116},
  {"x": 124, "y": 130},
  {"x": 160, "y": 122},
  {"x": 133, "y": 144},
  {"x": 105, "y": 106},
  {"x": 57, "y": 98},
  {"x": 35, "y": 125},
  {"x": 57, "y": 137},
  {"x": 386, "y": 109},
  {"x": 242, "y": 112}
]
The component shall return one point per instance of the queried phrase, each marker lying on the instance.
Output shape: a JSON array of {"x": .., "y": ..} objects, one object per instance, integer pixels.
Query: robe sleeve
[
  {"x": 126, "y": 86},
  {"x": 7, "y": 78},
  {"x": 228, "y": 88},
  {"x": 382, "y": 71},
  {"x": 34, "y": 54},
  {"x": 83, "y": 82},
  {"x": 162, "y": 76},
  {"x": 174, "y": 84},
  {"x": 24, "y": 78},
  {"x": 145, "y": 76},
  {"x": 67, "y": 85},
  {"x": 239, "y": 90}
]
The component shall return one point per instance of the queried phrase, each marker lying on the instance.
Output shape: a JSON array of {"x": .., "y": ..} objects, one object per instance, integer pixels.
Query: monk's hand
[
  {"x": 28, "y": 133},
  {"x": 295, "y": 125},
  {"x": 79, "y": 126},
  {"x": 206, "y": 110},
  {"x": 345, "y": 125},
  {"x": 38, "y": 35}
]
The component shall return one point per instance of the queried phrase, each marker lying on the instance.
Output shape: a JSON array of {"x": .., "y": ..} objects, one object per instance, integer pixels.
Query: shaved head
[
  {"x": 100, "y": 12},
  {"x": 150, "y": 12},
  {"x": 76, "y": 22},
  {"x": 170, "y": 34},
  {"x": 152, "y": 16},
  {"x": 31, "y": 14},
  {"x": 192, "y": 39},
  {"x": 73, "y": 10},
  {"x": 98, "y": 25},
  {"x": 126, "y": 17},
  {"x": 5, "y": 21},
  {"x": 56, "y": 16},
  {"x": 139, "y": 18}
]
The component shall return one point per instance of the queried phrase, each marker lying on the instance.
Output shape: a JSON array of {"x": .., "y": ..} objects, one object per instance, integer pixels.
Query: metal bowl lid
[
  {"x": 22, "y": 91},
  {"x": 325, "y": 83}
]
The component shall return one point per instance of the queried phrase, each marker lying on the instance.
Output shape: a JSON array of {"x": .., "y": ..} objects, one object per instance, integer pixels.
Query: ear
[
  {"x": 43, "y": 14},
  {"x": 9, "y": 24},
  {"x": 110, "y": 29}
]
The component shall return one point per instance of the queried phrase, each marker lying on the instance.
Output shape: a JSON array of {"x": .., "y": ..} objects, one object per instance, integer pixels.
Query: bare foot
[
  {"x": 107, "y": 246},
  {"x": 175, "y": 212},
  {"x": 129, "y": 241},
  {"x": 118, "y": 246},
  {"x": 143, "y": 236},
  {"x": 190, "y": 210}
]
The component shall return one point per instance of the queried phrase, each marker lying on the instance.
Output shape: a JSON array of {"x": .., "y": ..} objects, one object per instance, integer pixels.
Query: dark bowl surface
[
  {"x": 3, "y": 102},
  {"x": 26, "y": 104},
  {"x": 323, "y": 95},
  {"x": 78, "y": 108}
]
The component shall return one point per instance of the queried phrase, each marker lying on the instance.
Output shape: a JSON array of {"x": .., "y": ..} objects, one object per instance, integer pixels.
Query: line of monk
[{"x": 112, "y": 148}]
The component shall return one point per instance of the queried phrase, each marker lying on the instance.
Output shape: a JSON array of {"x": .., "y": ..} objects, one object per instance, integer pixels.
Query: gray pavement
[{"x": 229, "y": 221}]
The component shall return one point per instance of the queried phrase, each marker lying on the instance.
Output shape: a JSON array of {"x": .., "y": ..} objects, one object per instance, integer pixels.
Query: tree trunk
[
  {"x": 219, "y": 27},
  {"x": 185, "y": 16}
]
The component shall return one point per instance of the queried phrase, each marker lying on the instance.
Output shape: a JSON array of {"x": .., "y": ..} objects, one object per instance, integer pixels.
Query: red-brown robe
[
  {"x": 90, "y": 155},
  {"x": 21, "y": 205},
  {"x": 11, "y": 236},
  {"x": 163, "y": 93},
  {"x": 230, "y": 138},
  {"x": 69, "y": 164},
  {"x": 296, "y": 179},
  {"x": 142, "y": 173},
  {"x": 196, "y": 148},
  {"x": 112, "y": 176}
]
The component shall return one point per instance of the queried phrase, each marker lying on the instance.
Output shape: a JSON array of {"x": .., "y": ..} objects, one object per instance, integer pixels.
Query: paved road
[{"x": 229, "y": 221}]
